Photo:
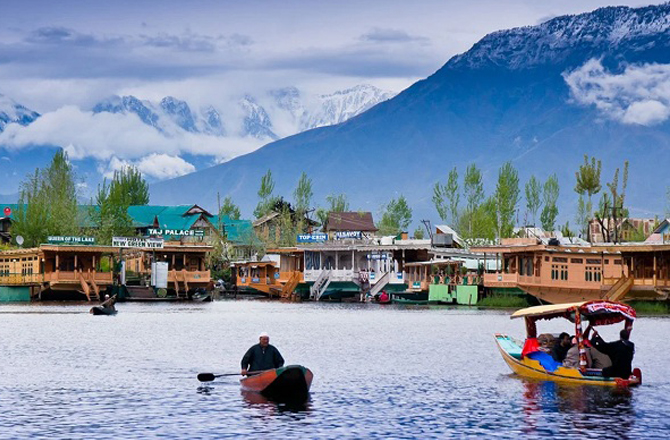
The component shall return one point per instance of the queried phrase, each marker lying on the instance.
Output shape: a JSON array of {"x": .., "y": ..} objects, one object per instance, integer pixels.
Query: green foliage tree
[
  {"x": 612, "y": 209},
  {"x": 110, "y": 212},
  {"x": 336, "y": 203},
  {"x": 129, "y": 187},
  {"x": 447, "y": 197},
  {"x": 47, "y": 203},
  {"x": 588, "y": 184},
  {"x": 482, "y": 221},
  {"x": 302, "y": 196},
  {"x": 229, "y": 209},
  {"x": 533, "y": 190},
  {"x": 550, "y": 194},
  {"x": 396, "y": 217},
  {"x": 582, "y": 217},
  {"x": 418, "y": 233},
  {"x": 473, "y": 188},
  {"x": 507, "y": 198},
  {"x": 267, "y": 201}
]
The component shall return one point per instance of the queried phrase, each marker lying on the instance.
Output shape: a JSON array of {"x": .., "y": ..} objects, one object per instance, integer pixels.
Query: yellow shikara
[{"x": 516, "y": 353}]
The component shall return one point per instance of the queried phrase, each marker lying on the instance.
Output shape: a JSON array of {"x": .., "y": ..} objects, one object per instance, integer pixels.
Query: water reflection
[
  {"x": 253, "y": 399},
  {"x": 584, "y": 408}
]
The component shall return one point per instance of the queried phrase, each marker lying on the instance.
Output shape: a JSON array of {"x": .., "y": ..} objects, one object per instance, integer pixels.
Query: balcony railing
[
  {"x": 62, "y": 276},
  {"x": 13, "y": 279},
  {"x": 501, "y": 279},
  {"x": 190, "y": 276}
]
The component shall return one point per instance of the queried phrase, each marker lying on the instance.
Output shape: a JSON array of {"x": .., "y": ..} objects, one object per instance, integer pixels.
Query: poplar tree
[
  {"x": 473, "y": 188},
  {"x": 396, "y": 217},
  {"x": 447, "y": 197},
  {"x": 267, "y": 201},
  {"x": 533, "y": 191},
  {"x": 229, "y": 209},
  {"x": 507, "y": 198},
  {"x": 587, "y": 185},
  {"x": 336, "y": 203},
  {"x": 550, "y": 198}
]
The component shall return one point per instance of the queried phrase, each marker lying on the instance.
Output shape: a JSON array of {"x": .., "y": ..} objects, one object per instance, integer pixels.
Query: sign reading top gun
[{"x": 136, "y": 242}]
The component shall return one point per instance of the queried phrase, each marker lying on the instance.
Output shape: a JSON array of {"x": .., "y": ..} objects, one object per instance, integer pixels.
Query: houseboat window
[
  {"x": 617, "y": 261},
  {"x": 593, "y": 261},
  {"x": 560, "y": 259},
  {"x": 607, "y": 261},
  {"x": 576, "y": 260},
  {"x": 546, "y": 258},
  {"x": 529, "y": 266}
]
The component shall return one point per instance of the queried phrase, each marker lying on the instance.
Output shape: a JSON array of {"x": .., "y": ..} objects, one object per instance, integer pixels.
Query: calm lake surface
[{"x": 380, "y": 372}]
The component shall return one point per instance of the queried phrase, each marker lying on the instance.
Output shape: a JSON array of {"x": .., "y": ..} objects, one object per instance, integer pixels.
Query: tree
[
  {"x": 588, "y": 184},
  {"x": 303, "y": 201},
  {"x": 336, "y": 203},
  {"x": 550, "y": 199},
  {"x": 612, "y": 209},
  {"x": 229, "y": 209},
  {"x": 474, "y": 195},
  {"x": 447, "y": 197},
  {"x": 396, "y": 217},
  {"x": 110, "y": 213},
  {"x": 47, "y": 203},
  {"x": 533, "y": 191},
  {"x": 129, "y": 186},
  {"x": 582, "y": 217},
  {"x": 506, "y": 198},
  {"x": 267, "y": 201},
  {"x": 418, "y": 233}
]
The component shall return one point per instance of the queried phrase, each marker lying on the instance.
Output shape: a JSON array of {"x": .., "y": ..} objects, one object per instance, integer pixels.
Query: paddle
[{"x": 208, "y": 377}]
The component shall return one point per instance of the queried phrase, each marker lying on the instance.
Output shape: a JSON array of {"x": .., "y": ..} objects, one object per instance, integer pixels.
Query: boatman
[
  {"x": 261, "y": 356},
  {"x": 621, "y": 352}
]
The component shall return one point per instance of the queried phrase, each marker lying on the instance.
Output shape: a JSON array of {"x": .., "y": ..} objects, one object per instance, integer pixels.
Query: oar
[{"x": 208, "y": 377}]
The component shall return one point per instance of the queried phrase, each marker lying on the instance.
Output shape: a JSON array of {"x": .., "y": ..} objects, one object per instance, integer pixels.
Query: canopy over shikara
[{"x": 599, "y": 312}]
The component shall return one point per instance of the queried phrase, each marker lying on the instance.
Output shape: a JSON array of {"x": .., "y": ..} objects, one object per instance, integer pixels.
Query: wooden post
[
  {"x": 173, "y": 261},
  {"x": 75, "y": 262},
  {"x": 654, "y": 269}
]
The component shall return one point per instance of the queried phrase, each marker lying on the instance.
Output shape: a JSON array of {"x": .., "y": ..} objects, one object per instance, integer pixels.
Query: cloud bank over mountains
[{"x": 638, "y": 95}]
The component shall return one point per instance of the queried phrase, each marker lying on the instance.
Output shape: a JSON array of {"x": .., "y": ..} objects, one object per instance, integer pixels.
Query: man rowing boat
[{"x": 261, "y": 356}]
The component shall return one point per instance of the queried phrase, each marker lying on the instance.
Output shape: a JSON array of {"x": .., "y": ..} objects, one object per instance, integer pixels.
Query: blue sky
[{"x": 61, "y": 57}]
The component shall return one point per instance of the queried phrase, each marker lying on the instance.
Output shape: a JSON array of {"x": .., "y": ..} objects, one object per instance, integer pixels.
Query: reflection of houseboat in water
[
  {"x": 55, "y": 272},
  {"x": 561, "y": 274}
]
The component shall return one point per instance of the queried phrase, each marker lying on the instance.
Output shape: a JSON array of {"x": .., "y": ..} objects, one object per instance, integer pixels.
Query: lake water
[{"x": 380, "y": 372}]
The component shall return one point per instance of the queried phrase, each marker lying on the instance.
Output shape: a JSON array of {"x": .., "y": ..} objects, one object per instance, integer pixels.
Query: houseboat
[
  {"x": 563, "y": 273},
  {"x": 55, "y": 272},
  {"x": 279, "y": 274}
]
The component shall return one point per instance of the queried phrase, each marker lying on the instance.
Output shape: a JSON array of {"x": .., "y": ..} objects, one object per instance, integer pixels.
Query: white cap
[{"x": 263, "y": 335}]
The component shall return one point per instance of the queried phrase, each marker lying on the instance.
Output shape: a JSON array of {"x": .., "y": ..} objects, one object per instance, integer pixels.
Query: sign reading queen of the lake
[
  {"x": 137, "y": 242},
  {"x": 58, "y": 239}
]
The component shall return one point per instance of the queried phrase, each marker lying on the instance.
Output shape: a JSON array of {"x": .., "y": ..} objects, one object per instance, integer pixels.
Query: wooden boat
[
  {"x": 409, "y": 301},
  {"x": 528, "y": 360},
  {"x": 286, "y": 384},
  {"x": 202, "y": 296},
  {"x": 100, "y": 310}
]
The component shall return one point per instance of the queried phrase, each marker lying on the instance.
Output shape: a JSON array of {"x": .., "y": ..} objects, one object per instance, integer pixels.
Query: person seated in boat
[
  {"x": 561, "y": 347},
  {"x": 108, "y": 303},
  {"x": 261, "y": 356},
  {"x": 572, "y": 356},
  {"x": 599, "y": 360},
  {"x": 621, "y": 353}
]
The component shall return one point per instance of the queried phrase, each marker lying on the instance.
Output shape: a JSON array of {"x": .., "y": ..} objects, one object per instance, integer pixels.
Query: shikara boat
[
  {"x": 285, "y": 384},
  {"x": 528, "y": 360},
  {"x": 100, "y": 310},
  {"x": 408, "y": 301}
]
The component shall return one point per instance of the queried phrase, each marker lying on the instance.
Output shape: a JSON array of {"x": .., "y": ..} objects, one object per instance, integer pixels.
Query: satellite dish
[{"x": 19, "y": 240}]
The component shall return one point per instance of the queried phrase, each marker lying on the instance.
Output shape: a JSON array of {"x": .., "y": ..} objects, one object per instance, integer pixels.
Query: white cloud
[
  {"x": 106, "y": 137},
  {"x": 638, "y": 95},
  {"x": 158, "y": 166}
]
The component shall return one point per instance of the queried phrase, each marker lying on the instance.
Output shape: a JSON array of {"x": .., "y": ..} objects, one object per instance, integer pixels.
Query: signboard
[
  {"x": 312, "y": 238},
  {"x": 177, "y": 232},
  {"x": 377, "y": 257},
  {"x": 137, "y": 242},
  {"x": 341, "y": 235},
  {"x": 57, "y": 239}
]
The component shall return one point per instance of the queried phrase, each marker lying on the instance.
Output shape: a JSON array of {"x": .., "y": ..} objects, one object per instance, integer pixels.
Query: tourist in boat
[
  {"x": 599, "y": 360},
  {"x": 572, "y": 356},
  {"x": 108, "y": 303},
  {"x": 621, "y": 353},
  {"x": 561, "y": 347},
  {"x": 261, "y": 356}
]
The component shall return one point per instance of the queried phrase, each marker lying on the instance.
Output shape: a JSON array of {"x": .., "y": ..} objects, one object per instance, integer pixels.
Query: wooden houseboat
[
  {"x": 280, "y": 274},
  {"x": 55, "y": 272},
  {"x": 186, "y": 266},
  {"x": 560, "y": 274}
]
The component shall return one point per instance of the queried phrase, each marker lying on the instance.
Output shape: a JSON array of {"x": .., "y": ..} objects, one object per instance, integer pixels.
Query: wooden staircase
[
  {"x": 619, "y": 289},
  {"x": 290, "y": 285},
  {"x": 92, "y": 291}
]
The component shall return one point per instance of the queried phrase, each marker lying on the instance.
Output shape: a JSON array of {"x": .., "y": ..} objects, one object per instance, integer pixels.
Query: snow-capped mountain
[
  {"x": 540, "y": 97},
  {"x": 268, "y": 117},
  {"x": 10, "y": 111}
]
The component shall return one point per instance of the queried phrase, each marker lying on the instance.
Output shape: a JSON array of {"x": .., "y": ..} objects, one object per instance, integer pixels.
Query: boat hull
[
  {"x": 285, "y": 384},
  {"x": 532, "y": 369},
  {"x": 97, "y": 310}
]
